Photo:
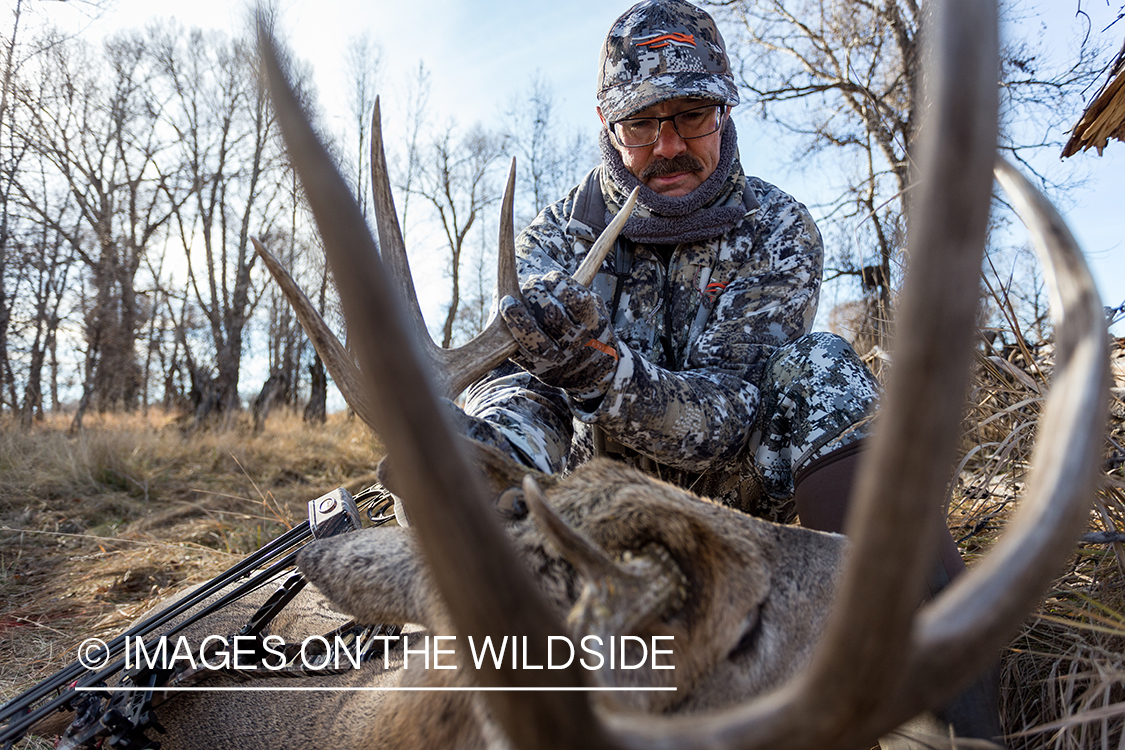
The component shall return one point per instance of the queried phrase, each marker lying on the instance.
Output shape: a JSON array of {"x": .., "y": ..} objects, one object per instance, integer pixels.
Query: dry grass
[
  {"x": 96, "y": 527},
  {"x": 1063, "y": 680}
]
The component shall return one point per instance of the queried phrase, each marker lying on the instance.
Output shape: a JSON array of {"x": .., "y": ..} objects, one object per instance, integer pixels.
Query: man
[{"x": 690, "y": 356}]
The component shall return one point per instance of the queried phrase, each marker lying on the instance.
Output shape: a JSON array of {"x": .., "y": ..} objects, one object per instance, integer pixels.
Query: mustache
[{"x": 680, "y": 163}]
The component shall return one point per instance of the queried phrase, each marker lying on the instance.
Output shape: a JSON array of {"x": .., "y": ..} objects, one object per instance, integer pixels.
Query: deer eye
[{"x": 751, "y": 628}]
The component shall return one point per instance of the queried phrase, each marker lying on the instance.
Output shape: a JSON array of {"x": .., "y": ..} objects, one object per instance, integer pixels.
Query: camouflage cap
[{"x": 660, "y": 50}]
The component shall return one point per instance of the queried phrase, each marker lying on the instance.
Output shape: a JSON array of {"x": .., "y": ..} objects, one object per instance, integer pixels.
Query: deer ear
[{"x": 374, "y": 575}]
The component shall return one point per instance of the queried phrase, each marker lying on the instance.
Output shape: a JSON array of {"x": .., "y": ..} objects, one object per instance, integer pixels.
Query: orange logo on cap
[{"x": 663, "y": 40}]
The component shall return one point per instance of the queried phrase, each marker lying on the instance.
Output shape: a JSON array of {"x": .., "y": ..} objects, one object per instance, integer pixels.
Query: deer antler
[
  {"x": 457, "y": 368},
  {"x": 493, "y": 345},
  {"x": 485, "y": 589}
]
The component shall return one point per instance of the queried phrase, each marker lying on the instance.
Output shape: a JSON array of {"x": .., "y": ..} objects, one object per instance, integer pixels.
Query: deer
[
  {"x": 739, "y": 601},
  {"x": 786, "y": 638}
]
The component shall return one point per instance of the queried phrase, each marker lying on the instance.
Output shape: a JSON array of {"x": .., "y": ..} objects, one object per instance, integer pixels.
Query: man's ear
[{"x": 612, "y": 138}]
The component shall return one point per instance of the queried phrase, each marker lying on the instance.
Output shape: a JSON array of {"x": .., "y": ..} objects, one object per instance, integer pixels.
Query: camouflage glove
[{"x": 564, "y": 335}]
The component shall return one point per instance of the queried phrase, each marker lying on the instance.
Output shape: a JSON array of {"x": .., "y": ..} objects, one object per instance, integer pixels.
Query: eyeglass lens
[{"x": 691, "y": 123}]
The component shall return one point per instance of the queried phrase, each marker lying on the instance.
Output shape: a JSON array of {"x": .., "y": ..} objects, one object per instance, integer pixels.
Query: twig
[
  {"x": 146, "y": 542},
  {"x": 36, "y": 624}
]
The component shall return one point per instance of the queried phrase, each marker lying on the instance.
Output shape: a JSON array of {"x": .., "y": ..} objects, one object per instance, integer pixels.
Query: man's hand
[{"x": 564, "y": 335}]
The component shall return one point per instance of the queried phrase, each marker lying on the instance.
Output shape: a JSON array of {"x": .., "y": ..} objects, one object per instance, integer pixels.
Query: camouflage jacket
[{"x": 695, "y": 324}]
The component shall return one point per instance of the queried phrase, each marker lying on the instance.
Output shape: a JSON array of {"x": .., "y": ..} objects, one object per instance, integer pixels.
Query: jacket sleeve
[
  {"x": 534, "y": 418},
  {"x": 700, "y": 418}
]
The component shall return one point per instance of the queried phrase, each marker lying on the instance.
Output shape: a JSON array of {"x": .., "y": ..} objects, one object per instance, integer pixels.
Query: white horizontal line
[{"x": 300, "y": 689}]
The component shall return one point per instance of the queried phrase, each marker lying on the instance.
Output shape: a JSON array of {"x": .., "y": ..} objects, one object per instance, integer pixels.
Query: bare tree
[
  {"x": 95, "y": 120},
  {"x": 316, "y": 410},
  {"x": 363, "y": 59},
  {"x": 9, "y": 161},
  {"x": 454, "y": 179},
  {"x": 476, "y": 297},
  {"x": 285, "y": 344},
  {"x": 226, "y": 133},
  {"x": 155, "y": 339},
  {"x": 550, "y": 159},
  {"x": 173, "y": 356},
  {"x": 48, "y": 262},
  {"x": 844, "y": 77},
  {"x": 417, "y": 109}
]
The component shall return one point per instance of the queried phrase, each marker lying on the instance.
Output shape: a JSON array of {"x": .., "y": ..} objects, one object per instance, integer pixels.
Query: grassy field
[{"x": 97, "y": 527}]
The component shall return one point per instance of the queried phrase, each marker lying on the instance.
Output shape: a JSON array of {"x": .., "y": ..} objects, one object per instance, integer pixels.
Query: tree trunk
[
  {"x": 274, "y": 390},
  {"x": 317, "y": 408}
]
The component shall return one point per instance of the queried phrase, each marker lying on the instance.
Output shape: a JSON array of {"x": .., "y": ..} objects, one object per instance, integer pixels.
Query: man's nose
[{"x": 668, "y": 142}]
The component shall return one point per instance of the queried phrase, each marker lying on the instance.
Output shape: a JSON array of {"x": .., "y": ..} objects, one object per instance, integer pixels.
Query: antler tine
[
  {"x": 335, "y": 357},
  {"x": 588, "y": 269},
  {"x": 979, "y": 612},
  {"x": 486, "y": 590},
  {"x": 392, "y": 247},
  {"x": 507, "y": 280}
]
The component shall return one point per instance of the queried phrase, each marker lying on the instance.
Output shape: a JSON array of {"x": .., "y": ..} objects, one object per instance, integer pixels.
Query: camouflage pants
[{"x": 817, "y": 396}]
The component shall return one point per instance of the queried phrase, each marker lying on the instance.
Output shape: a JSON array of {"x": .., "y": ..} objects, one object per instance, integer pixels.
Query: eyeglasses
[{"x": 697, "y": 122}]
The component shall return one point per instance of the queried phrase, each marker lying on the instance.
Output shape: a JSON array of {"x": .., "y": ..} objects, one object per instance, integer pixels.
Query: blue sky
[{"x": 480, "y": 52}]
